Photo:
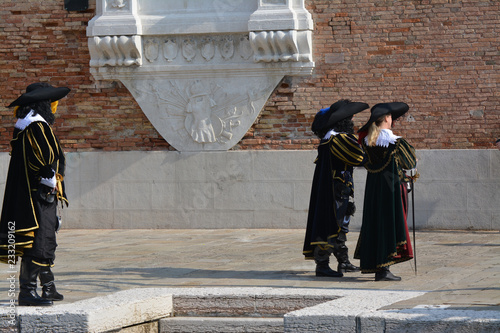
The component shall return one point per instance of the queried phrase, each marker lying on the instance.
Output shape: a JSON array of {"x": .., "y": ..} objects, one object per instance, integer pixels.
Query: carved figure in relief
[
  {"x": 203, "y": 111},
  {"x": 199, "y": 109},
  {"x": 118, "y": 4}
]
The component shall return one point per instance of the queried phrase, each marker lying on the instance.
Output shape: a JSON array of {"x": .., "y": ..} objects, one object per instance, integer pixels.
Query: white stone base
[
  {"x": 457, "y": 189},
  {"x": 99, "y": 314},
  {"x": 349, "y": 311}
]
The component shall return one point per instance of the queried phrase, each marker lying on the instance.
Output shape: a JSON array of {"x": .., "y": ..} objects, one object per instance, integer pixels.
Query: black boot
[
  {"x": 322, "y": 259},
  {"x": 27, "y": 283},
  {"x": 323, "y": 269},
  {"x": 346, "y": 266},
  {"x": 48, "y": 285},
  {"x": 386, "y": 275},
  {"x": 341, "y": 252}
]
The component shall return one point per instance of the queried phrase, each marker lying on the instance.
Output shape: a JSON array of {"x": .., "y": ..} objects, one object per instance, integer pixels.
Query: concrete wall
[{"x": 458, "y": 189}]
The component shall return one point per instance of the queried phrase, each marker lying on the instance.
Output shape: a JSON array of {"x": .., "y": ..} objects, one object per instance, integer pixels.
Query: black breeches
[{"x": 44, "y": 244}]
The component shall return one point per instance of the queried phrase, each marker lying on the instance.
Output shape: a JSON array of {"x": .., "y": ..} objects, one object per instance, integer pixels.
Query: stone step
[
  {"x": 241, "y": 305},
  {"x": 220, "y": 325}
]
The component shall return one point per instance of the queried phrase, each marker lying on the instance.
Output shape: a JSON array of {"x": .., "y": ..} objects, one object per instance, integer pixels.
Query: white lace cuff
[{"x": 50, "y": 182}]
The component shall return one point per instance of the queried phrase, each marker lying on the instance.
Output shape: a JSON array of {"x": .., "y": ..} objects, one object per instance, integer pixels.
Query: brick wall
[{"x": 440, "y": 56}]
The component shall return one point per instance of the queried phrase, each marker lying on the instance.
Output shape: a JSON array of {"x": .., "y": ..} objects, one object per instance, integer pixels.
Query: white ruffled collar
[
  {"x": 329, "y": 134},
  {"x": 22, "y": 123},
  {"x": 385, "y": 138}
]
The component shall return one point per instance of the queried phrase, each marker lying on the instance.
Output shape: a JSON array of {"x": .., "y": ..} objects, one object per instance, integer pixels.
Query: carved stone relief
[
  {"x": 200, "y": 70},
  {"x": 192, "y": 114},
  {"x": 117, "y": 4},
  {"x": 170, "y": 49},
  {"x": 115, "y": 51},
  {"x": 274, "y": 46},
  {"x": 211, "y": 48}
]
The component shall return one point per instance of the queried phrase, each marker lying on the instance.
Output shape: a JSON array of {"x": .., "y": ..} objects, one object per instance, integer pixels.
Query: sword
[{"x": 412, "y": 174}]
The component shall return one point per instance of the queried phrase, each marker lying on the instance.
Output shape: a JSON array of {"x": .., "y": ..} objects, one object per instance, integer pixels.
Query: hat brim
[
  {"x": 395, "y": 109},
  {"x": 41, "y": 94},
  {"x": 325, "y": 119}
]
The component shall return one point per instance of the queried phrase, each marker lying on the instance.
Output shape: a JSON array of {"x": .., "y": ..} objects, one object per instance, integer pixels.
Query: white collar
[
  {"x": 22, "y": 123},
  {"x": 386, "y": 137},
  {"x": 329, "y": 134}
]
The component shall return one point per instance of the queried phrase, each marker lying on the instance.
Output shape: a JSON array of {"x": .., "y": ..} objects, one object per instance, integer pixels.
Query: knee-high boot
[
  {"x": 27, "y": 283},
  {"x": 341, "y": 252},
  {"x": 48, "y": 286},
  {"x": 322, "y": 260}
]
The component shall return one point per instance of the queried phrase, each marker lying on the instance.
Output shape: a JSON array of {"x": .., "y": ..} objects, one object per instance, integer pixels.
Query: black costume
[
  {"x": 35, "y": 184},
  {"x": 384, "y": 239},
  {"x": 329, "y": 208}
]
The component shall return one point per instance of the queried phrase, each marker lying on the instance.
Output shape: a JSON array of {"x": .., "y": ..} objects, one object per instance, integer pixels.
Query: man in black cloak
[
  {"x": 33, "y": 188},
  {"x": 330, "y": 209}
]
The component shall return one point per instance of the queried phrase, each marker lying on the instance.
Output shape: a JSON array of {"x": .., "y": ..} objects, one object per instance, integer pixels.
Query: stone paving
[{"x": 457, "y": 269}]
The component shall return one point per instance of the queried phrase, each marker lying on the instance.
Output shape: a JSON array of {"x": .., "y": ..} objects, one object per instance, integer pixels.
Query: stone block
[
  {"x": 4, "y": 166},
  {"x": 239, "y": 219},
  {"x": 134, "y": 219},
  {"x": 87, "y": 218},
  {"x": 221, "y": 325},
  {"x": 8, "y": 320},
  {"x": 302, "y": 195},
  {"x": 186, "y": 219},
  {"x": 100, "y": 314},
  {"x": 164, "y": 195},
  {"x": 190, "y": 166},
  {"x": 273, "y": 219},
  {"x": 495, "y": 164},
  {"x": 273, "y": 165},
  {"x": 298, "y": 219},
  {"x": 430, "y": 195},
  {"x": 152, "y": 327},
  {"x": 432, "y": 319},
  {"x": 118, "y": 166},
  {"x": 228, "y": 167},
  {"x": 453, "y": 165},
  {"x": 73, "y": 193},
  {"x": 92, "y": 195},
  {"x": 132, "y": 195},
  {"x": 483, "y": 196},
  {"x": 196, "y": 195},
  {"x": 448, "y": 219},
  {"x": 255, "y": 195},
  {"x": 82, "y": 167}
]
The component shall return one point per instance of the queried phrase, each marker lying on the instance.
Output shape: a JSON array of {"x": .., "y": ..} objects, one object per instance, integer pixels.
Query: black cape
[
  {"x": 384, "y": 239},
  {"x": 339, "y": 153},
  {"x": 35, "y": 153}
]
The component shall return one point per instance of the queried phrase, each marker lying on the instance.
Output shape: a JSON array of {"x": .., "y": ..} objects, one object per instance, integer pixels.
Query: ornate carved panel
[
  {"x": 202, "y": 114},
  {"x": 200, "y": 70}
]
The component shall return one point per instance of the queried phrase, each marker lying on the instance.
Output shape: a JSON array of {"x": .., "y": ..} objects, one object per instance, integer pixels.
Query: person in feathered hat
[
  {"x": 384, "y": 238},
  {"x": 34, "y": 186},
  {"x": 330, "y": 208}
]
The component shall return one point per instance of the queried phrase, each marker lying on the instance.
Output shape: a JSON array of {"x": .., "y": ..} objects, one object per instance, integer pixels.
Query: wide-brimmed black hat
[
  {"x": 40, "y": 91},
  {"x": 396, "y": 109},
  {"x": 344, "y": 108}
]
